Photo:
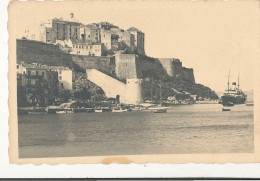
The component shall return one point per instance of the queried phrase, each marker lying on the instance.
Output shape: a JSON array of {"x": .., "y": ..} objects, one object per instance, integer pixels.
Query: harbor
[{"x": 194, "y": 128}]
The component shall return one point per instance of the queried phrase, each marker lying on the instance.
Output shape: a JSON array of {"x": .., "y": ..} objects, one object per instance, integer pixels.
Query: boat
[
  {"x": 37, "y": 110},
  {"x": 250, "y": 104},
  {"x": 98, "y": 110},
  {"x": 228, "y": 104},
  {"x": 61, "y": 112},
  {"x": 158, "y": 109},
  {"x": 32, "y": 112},
  {"x": 161, "y": 110},
  {"x": 119, "y": 110},
  {"x": 64, "y": 112},
  {"x": 226, "y": 109},
  {"x": 233, "y": 94}
]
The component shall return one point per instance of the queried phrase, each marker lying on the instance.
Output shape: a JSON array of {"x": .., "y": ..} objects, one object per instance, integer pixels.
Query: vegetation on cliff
[{"x": 155, "y": 76}]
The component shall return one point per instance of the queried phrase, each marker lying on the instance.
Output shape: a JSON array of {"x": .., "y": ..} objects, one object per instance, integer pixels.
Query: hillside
[{"x": 151, "y": 70}]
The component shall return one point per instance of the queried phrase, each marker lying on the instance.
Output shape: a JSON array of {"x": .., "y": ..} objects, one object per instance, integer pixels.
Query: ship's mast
[
  {"x": 151, "y": 91},
  {"x": 160, "y": 93},
  {"x": 228, "y": 79},
  {"x": 238, "y": 82}
]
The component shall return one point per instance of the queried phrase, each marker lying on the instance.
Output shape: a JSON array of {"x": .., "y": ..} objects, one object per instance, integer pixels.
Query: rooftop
[{"x": 133, "y": 29}]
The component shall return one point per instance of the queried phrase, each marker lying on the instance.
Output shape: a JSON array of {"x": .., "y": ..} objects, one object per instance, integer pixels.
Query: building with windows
[
  {"x": 36, "y": 85},
  {"x": 138, "y": 40},
  {"x": 92, "y": 33},
  {"x": 109, "y": 39},
  {"x": 66, "y": 77},
  {"x": 87, "y": 48},
  {"x": 126, "y": 40},
  {"x": 64, "y": 30}
]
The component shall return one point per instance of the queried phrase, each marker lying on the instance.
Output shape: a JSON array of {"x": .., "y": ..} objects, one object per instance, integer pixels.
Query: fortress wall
[
  {"x": 172, "y": 66},
  {"x": 167, "y": 65},
  {"x": 126, "y": 66},
  {"x": 110, "y": 86},
  {"x": 130, "y": 93},
  {"x": 150, "y": 67},
  {"x": 187, "y": 74},
  {"x": 105, "y": 64}
]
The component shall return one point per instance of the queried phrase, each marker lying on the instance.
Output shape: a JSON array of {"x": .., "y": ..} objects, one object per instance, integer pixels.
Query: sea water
[{"x": 197, "y": 128}]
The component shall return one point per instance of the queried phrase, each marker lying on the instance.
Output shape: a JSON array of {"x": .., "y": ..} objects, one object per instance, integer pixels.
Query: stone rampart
[
  {"x": 187, "y": 74},
  {"x": 129, "y": 93}
]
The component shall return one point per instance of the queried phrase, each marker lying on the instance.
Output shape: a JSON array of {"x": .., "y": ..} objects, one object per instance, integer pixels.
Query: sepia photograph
[{"x": 97, "y": 79}]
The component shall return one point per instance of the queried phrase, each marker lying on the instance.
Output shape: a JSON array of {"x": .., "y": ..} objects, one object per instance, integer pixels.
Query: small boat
[
  {"x": 61, "y": 112},
  {"x": 226, "y": 109},
  {"x": 98, "y": 110},
  {"x": 64, "y": 112},
  {"x": 159, "y": 109},
  {"x": 35, "y": 112},
  {"x": 250, "y": 104},
  {"x": 119, "y": 110},
  {"x": 228, "y": 104}
]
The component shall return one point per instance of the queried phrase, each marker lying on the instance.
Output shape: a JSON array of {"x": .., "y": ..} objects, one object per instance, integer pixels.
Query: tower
[{"x": 133, "y": 91}]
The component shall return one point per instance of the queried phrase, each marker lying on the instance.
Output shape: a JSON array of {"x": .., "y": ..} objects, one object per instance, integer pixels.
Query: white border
[{"x": 95, "y": 170}]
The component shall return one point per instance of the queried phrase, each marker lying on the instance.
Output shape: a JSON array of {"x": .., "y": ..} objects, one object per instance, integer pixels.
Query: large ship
[{"x": 233, "y": 94}]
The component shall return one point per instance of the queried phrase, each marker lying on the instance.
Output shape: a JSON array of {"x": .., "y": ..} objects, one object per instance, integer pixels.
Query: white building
[
  {"x": 66, "y": 77},
  {"x": 86, "y": 49}
]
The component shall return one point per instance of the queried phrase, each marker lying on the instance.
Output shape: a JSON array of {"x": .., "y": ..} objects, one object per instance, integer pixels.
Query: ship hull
[{"x": 233, "y": 99}]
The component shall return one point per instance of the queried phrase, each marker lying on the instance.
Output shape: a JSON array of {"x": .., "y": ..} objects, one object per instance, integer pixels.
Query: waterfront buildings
[
  {"x": 35, "y": 73},
  {"x": 36, "y": 85},
  {"x": 66, "y": 77}
]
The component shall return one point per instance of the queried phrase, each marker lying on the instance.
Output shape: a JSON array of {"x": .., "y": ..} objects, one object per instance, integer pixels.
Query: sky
[{"x": 210, "y": 37}]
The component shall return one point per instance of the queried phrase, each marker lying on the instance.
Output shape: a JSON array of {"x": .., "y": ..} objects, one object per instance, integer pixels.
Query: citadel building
[{"x": 114, "y": 59}]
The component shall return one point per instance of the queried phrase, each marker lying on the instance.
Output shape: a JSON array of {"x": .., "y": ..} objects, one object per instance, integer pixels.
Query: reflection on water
[{"x": 183, "y": 129}]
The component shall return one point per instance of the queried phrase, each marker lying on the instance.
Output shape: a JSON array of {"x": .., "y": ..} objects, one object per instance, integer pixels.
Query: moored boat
[
  {"x": 119, "y": 110},
  {"x": 98, "y": 110},
  {"x": 61, "y": 112},
  {"x": 64, "y": 111},
  {"x": 159, "y": 109},
  {"x": 226, "y": 109}
]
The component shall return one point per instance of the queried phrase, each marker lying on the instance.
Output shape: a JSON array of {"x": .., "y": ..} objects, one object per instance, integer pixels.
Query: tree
[{"x": 82, "y": 94}]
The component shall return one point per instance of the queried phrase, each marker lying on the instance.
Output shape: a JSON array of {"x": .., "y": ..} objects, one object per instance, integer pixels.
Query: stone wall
[
  {"x": 126, "y": 66},
  {"x": 104, "y": 64},
  {"x": 187, "y": 74},
  {"x": 174, "y": 68},
  {"x": 129, "y": 93}
]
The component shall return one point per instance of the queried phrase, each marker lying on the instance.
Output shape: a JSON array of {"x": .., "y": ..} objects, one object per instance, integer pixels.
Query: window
[
  {"x": 17, "y": 66},
  {"x": 60, "y": 72},
  {"x": 37, "y": 73},
  {"x": 60, "y": 77},
  {"x": 29, "y": 72},
  {"x": 43, "y": 73}
]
